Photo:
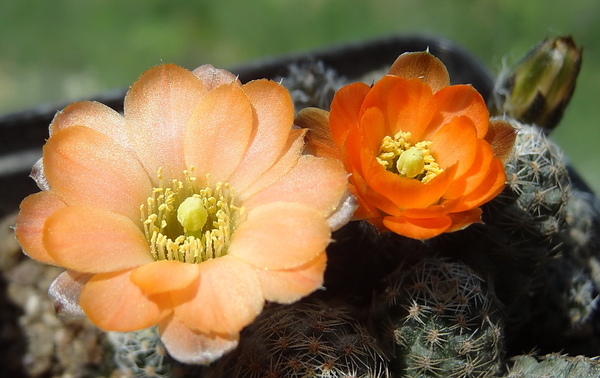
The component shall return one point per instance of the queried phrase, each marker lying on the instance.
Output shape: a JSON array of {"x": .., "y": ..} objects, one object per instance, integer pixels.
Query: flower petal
[
  {"x": 475, "y": 175},
  {"x": 406, "y": 105},
  {"x": 157, "y": 109},
  {"x": 345, "y": 110},
  {"x": 288, "y": 160},
  {"x": 422, "y": 66},
  {"x": 455, "y": 143},
  {"x": 274, "y": 112},
  {"x": 112, "y": 302},
  {"x": 85, "y": 167},
  {"x": 94, "y": 115},
  {"x": 319, "y": 140},
  {"x": 35, "y": 209},
  {"x": 227, "y": 298},
  {"x": 219, "y": 132},
  {"x": 93, "y": 240},
  {"x": 315, "y": 182},
  {"x": 501, "y": 136},
  {"x": 489, "y": 188},
  {"x": 191, "y": 347},
  {"x": 456, "y": 101},
  {"x": 64, "y": 293},
  {"x": 418, "y": 228},
  {"x": 288, "y": 286},
  {"x": 212, "y": 77},
  {"x": 463, "y": 219},
  {"x": 280, "y": 235},
  {"x": 163, "y": 276}
]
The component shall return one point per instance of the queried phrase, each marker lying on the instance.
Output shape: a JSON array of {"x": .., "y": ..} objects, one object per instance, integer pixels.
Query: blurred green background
[{"x": 64, "y": 50}]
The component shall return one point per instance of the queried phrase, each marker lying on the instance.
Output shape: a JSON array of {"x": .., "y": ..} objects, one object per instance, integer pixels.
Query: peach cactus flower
[
  {"x": 187, "y": 212},
  {"x": 422, "y": 155}
]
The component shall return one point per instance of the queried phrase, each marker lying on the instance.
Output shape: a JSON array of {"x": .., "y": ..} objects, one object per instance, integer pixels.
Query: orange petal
[
  {"x": 407, "y": 193},
  {"x": 157, "y": 109},
  {"x": 475, "y": 175},
  {"x": 64, "y": 293},
  {"x": 219, "y": 132},
  {"x": 35, "y": 209},
  {"x": 418, "y": 228},
  {"x": 274, "y": 113},
  {"x": 212, "y": 77},
  {"x": 228, "y": 297},
  {"x": 112, "y": 302},
  {"x": 163, "y": 276},
  {"x": 405, "y": 104},
  {"x": 463, "y": 219},
  {"x": 94, "y": 115},
  {"x": 422, "y": 66},
  {"x": 372, "y": 130},
  {"x": 319, "y": 140},
  {"x": 288, "y": 286},
  {"x": 501, "y": 136},
  {"x": 456, "y": 101},
  {"x": 280, "y": 235},
  {"x": 289, "y": 159},
  {"x": 491, "y": 186},
  {"x": 345, "y": 110},
  {"x": 191, "y": 347},
  {"x": 85, "y": 167},
  {"x": 435, "y": 211},
  {"x": 455, "y": 143},
  {"x": 316, "y": 182},
  {"x": 93, "y": 240}
]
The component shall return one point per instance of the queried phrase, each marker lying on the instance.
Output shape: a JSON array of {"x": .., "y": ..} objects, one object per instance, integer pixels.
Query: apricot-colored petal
[
  {"x": 94, "y": 115},
  {"x": 114, "y": 303},
  {"x": 228, "y": 297},
  {"x": 274, "y": 116},
  {"x": 291, "y": 153},
  {"x": 501, "y": 136},
  {"x": 85, "y": 167},
  {"x": 288, "y": 286},
  {"x": 455, "y": 143},
  {"x": 35, "y": 209},
  {"x": 191, "y": 347},
  {"x": 280, "y": 235},
  {"x": 456, "y": 101},
  {"x": 212, "y": 77},
  {"x": 491, "y": 186},
  {"x": 422, "y": 66},
  {"x": 219, "y": 132},
  {"x": 64, "y": 293},
  {"x": 418, "y": 228},
  {"x": 319, "y": 140},
  {"x": 163, "y": 276},
  {"x": 345, "y": 109},
  {"x": 463, "y": 219},
  {"x": 157, "y": 110},
  {"x": 406, "y": 105},
  {"x": 475, "y": 175},
  {"x": 94, "y": 240},
  {"x": 372, "y": 129},
  {"x": 316, "y": 182}
]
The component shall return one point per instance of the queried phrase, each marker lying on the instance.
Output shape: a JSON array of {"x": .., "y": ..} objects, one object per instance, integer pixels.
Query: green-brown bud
[{"x": 539, "y": 87}]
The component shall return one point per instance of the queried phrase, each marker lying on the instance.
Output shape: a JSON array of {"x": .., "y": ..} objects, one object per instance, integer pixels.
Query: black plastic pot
[{"x": 24, "y": 133}]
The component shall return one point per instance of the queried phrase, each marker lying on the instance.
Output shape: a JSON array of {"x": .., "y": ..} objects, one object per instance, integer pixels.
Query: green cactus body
[
  {"x": 304, "y": 340},
  {"x": 440, "y": 321},
  {"x": 552, "y": 366}
]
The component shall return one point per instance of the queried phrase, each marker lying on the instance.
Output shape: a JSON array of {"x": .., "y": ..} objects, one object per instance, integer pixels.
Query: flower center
[
  {"x": 399, "y": 156},
  {"x": 189, "y": 224}
]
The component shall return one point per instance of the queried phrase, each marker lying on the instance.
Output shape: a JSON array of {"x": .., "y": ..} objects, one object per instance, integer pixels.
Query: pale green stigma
[
  {"x": 411, "y": 162},
  {"x": 192, "y": 214}
]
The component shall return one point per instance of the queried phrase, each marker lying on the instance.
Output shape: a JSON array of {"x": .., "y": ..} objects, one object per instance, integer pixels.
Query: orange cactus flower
[
  {"x": 422, "y": 155},
  {"x": 187, "y": 212}
]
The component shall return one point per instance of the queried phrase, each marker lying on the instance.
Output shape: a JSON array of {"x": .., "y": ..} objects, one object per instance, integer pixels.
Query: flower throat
[{"x": 188, "y": 224}]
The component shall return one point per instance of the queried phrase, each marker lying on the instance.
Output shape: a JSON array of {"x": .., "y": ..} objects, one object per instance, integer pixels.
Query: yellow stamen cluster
[
  {"x": 399, "y": 156},
  {"x": 188, "y": 224}
]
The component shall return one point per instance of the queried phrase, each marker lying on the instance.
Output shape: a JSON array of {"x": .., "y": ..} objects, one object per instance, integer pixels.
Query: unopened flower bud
[{"x": 539, "y": 87}]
